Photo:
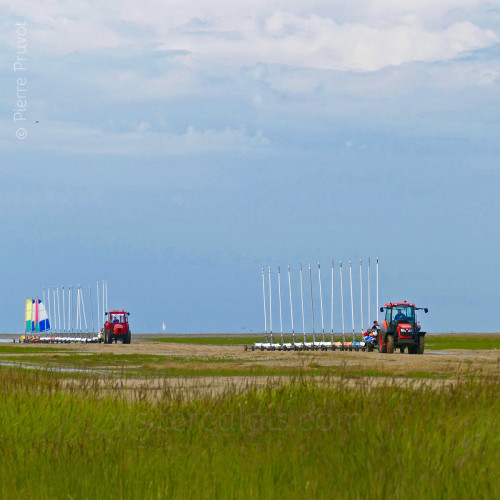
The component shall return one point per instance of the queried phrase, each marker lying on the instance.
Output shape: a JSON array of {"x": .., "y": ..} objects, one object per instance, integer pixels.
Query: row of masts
[
  {"x": 71, "y": 318},
  {"x": 268, "y": 313}
]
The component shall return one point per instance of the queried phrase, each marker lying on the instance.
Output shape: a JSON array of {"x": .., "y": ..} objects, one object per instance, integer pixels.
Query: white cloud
[
  {"x": 362, "y": 36},
  {"x": 71, "y": 138}
]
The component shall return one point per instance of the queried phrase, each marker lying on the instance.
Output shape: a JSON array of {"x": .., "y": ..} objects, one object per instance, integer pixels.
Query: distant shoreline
[{"x": 243, "y": 335}]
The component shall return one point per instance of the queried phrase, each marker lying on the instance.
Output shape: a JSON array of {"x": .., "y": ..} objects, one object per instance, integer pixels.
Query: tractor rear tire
[
  {"x": 390, "y": 344},
  {"x": 421, "y": 345},
  {"x": 402, "y": 350},
  {"x": 127, "y": 338}
]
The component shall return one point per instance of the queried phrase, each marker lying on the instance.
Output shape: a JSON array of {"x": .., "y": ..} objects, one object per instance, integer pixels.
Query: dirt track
[{"x": 437, "y": 362}]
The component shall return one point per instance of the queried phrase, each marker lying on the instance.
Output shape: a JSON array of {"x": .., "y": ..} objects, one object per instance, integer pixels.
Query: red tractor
[
  {"x": 400, "y": 329},
  {"x": 117, "y": 327}
]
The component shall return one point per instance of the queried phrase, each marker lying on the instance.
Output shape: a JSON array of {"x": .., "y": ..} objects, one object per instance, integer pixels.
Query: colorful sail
[
  {"x": 43, "y": 318},
  {"x": 29, "y": 315},
  {"x": 36, "y": 326}
]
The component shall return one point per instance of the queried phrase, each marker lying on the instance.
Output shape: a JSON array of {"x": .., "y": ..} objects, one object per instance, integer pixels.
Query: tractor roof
[{"x": 396, "y": 304}]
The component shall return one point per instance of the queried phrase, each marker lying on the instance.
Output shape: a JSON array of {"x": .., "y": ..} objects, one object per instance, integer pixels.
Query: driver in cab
[{"x": 399, "y": 316}]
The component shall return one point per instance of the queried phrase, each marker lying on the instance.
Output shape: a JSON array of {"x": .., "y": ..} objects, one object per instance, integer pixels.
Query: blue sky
[{"x": 183, "y": 145}]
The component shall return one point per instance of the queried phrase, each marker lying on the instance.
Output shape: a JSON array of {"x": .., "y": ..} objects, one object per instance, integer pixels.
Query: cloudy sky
[{"x": 174, "y": 147}]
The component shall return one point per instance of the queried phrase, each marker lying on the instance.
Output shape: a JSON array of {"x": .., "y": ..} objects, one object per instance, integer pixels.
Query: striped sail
[
  {"x": 43, "y": 318},
  {"x": 36, "y": 326},
  {"x": 29, "y": 315}
]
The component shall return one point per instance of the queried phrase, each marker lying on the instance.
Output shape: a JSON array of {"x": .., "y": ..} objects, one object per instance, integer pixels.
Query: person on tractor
[
  {"x": 399, "y": 316},
  {"x": 115, "y": 319}
]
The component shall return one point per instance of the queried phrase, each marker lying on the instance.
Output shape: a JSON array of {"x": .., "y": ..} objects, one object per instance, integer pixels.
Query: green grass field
[
  {"x": 462, "y": 341},
  {"x": 149, "y": 365},
  {"x": 82, "y": 439}
]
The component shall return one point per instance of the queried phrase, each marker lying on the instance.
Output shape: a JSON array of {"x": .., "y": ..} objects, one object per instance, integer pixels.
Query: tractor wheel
[
  {"x": 421, "y": 344},
  {"x": 412, "y": 349},
  {"x": 390, "y": 344},
  {"x": 402, "y": 350},
  {"x": 128, "y": 338},
  {"x": 382, "y": 343},
  {"x": 106, "y": 337}
]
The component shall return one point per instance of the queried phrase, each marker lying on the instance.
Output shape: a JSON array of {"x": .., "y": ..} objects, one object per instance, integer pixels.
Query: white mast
[
  {"x": 77, "y": 307},
  {"x": 44, "y": 303},
  {"x": 70, "y": 330},
  {"x": 64, "y": 311},
  {"x": 377, "y": 287},
  {"x": 352, "y": 303},
  {"x": 104, "y": 310},
  {"x": 321, "y": 302},
  {"x": 302, "y": 302},
  {"x": 264, "y": 296},
  {"x": 291, "y": 305},
  {"x": 58, "y": 310},
  {"x": 279, "y": 295},
  {"x": 98, "y": 310},
  {"x": 331, "y": 310},
  {"x": 54, "y": 301},
  {"x": 106, "y": 295},
  {"x": 342, "y": 303},
  {"x": 270, "y": 307},
  {"x": 361, "y": 290},
  {"x": 91, "y": 309},
  {"x": 83, "y": 309},
  {"x": 369, "y": 293},
  {"x": 49, "y": 308},
  {"x": 312, "y": 303}
]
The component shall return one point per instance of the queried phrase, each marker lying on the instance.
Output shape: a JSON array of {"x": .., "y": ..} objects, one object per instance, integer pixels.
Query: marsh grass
[
  {"x": 145, "y": 365},
  {"x": 69, "y": 365},
  {"x": 30, "y": 348},
  {"x": 88, "y": 438}
]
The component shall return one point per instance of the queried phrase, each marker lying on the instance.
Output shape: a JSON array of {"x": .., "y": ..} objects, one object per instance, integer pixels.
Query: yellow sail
[{"x": 29, "y": 315}]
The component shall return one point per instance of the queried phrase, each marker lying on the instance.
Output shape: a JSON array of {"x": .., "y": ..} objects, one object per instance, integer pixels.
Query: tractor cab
[{"x": 118, "y": 317}]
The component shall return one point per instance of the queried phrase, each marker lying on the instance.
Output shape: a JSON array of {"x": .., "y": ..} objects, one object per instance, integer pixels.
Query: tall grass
[{"x": 324, "y": 439}]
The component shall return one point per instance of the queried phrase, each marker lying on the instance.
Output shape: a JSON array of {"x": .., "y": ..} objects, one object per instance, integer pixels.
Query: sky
[{"x": 173, "y": 148}]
